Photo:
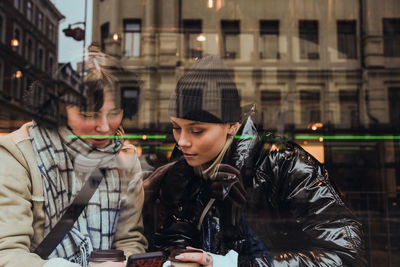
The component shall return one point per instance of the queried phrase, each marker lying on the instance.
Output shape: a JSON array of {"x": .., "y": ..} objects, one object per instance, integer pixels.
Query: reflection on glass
[{"x": 325, "y": 75}]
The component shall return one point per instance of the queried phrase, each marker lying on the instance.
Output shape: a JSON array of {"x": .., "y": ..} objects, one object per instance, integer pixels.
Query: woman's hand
[
  {"x": 205, "y": 259},
  {"x": 198, "y": 256}
]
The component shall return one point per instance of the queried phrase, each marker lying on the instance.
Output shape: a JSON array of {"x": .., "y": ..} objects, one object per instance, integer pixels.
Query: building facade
[
  {"x": 313, "y": 61},
  {"x": 323, "y": 73},
  {"x": 28, "y": 53}
]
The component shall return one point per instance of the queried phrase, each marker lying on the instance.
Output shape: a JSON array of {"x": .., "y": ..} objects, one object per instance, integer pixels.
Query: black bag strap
[{"x": 54, "y": 237}]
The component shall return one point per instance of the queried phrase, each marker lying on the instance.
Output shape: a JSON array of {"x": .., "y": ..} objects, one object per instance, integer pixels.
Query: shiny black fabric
[{"x": 293, "y": 208}]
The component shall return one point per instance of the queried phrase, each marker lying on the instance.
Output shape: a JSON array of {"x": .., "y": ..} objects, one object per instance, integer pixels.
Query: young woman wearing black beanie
[{"x": 228, "y": 177}]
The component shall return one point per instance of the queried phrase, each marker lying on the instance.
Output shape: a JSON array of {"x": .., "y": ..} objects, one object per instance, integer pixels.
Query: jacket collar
[{"x": 243, "y": 144}]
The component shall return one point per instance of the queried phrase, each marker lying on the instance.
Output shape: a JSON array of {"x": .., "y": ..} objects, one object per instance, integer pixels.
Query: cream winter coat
[{"x": 21, "y": 202}]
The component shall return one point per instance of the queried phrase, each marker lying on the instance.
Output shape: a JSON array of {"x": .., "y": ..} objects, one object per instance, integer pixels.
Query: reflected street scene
[{"x": 322, "y": 76}]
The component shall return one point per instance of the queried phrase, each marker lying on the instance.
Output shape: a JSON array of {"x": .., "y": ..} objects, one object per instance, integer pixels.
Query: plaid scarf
[{"x": 65, "y": 164}]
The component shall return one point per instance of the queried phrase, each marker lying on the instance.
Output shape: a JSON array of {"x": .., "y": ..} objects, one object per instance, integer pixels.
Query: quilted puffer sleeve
[{"x": 329, "y": 232}]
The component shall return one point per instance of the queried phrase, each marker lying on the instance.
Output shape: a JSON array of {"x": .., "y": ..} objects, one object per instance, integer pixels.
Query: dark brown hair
[{"x": 50, "y": 110}]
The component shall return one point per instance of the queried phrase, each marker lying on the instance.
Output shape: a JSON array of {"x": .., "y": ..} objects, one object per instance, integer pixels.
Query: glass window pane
[
  {"x": 309, "y": 39},
  {"x": 391, "y": 32},
  {"x": 230, "y": 30},
  {"x": 347, "y": 42},
  {"x": 324, "y": 75},
  {"x": 132, "y": 35},
  {"x": 192, "y": 30},
  {"x": 269, "y": 31}
]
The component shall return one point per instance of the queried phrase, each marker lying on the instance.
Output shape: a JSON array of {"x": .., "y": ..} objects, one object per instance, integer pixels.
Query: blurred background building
[
  {"x": 30, "y": 73},
  {"x": 28, "y": 53},
  {"x": 325, "y": 74}
]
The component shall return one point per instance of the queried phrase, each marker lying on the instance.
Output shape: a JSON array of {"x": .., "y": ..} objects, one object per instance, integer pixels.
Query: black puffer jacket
[{"x": 294, "y": 216}]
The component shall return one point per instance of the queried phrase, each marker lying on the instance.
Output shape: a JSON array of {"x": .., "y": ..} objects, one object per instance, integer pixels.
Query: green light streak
[
  {"x": 155, "y": 136},
  {"x": 164, "y": 148},
  {"x": 244, "y": 137},
  {"x": 348, "y": 137},
  {"x": 346, "y": 148},
  {"x": 299, "y": 137}
]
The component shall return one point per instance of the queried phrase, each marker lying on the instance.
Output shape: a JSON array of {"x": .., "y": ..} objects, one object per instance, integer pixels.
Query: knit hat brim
[{"x": 206, "y": 93}]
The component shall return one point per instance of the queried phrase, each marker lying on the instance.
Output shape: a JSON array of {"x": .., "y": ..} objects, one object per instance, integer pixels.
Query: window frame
[
  {"x": 17, "y": 4},
  {"x": 104, "y": 33},
  {"x": 29, "y": 10},
  {"x": 192, "y": 27},
  {"x": 40, "y": 21},
  {"x": 266, "y": 31},
  {"x": 40, "y": 61},
  {"x": 309, "y": 37},
  {"x": 230, "y": 28},
  {"x": 28, "y": 52},
  {"x": 136, "y": 37},
  {"x": 346, "y": 38},
  {"x": 391, "y": 39}
]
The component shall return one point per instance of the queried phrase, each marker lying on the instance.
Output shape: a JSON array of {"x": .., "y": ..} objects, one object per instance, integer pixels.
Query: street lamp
[
  {"x": 18, "y": 74},
  {"x": 77, "y": 33},
  {"x": 115, "y": 37},
  {"x": 201, "y": 38},
  {"x": 14, "y": 42}
]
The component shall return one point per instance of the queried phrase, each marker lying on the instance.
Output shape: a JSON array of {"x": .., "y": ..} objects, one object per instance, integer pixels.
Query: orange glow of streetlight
[
  {"x": 210, "y": 3},
  {"x": 14, "y": 42},
  {"x": 115, "y": 37},
  {"x": 18, "y": 74},
  {"x": 315, "y": 126},
  {"x": 201, "y": 38}
]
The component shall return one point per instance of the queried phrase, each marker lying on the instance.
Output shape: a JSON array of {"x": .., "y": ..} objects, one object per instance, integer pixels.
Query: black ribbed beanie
[{"x": 206, "y": 93}]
